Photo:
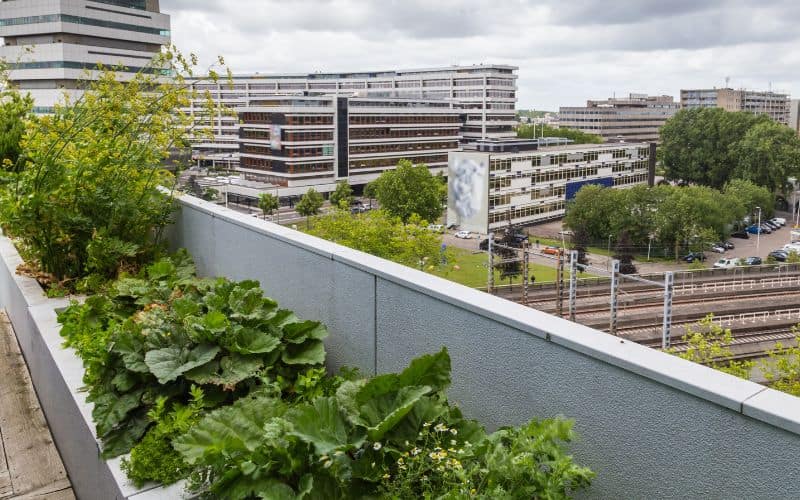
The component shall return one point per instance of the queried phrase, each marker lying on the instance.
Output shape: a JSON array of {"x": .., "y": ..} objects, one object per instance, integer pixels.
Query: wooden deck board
[{"x": 30, "y": 466}]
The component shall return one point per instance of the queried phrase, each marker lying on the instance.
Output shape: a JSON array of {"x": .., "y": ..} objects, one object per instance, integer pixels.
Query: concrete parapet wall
[{"x": 651, "y": 425}]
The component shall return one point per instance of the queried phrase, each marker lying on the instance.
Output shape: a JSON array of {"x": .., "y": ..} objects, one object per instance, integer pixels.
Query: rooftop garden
[{"x": 206, "y": 379}]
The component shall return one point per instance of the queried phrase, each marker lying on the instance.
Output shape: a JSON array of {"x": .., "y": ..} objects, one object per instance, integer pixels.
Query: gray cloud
[{"x": 567, "y": 51}]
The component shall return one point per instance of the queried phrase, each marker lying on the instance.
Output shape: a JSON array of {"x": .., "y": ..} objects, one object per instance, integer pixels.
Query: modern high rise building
[
  {"x": 485, "y": 95},
  {"x": 773, "y": 104},
  {"x": 51, "y": 44},
  {"x": 638, "y": 117}
]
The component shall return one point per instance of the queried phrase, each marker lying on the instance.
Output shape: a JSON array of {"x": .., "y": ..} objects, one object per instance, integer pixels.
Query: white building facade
[
  {"x": 485, "y": 95},
  {"x": 50, "y": 45},
  {"x": 492, "y": 190}
]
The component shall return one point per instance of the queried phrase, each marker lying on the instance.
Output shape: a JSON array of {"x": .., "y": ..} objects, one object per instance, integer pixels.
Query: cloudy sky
[{"x": 567, "y": 51}]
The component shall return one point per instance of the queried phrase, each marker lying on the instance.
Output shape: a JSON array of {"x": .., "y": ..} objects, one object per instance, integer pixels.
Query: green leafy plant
[
  {"x": 708, "y": 344},
  {"x": 149, "y": 339},
  {"x": 394, "y": 435}
]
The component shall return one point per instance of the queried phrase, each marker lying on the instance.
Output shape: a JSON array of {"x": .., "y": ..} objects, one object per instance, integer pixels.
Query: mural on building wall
[{"x": 468, "y": 193}]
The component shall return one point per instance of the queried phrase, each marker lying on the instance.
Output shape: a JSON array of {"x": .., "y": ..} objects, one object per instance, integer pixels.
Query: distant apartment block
[
  {"x": 773, "y": 104},
  {"x": 50, "y": 44},
  {"x": 526, "y": 182},
  {"x": 293, "y": 142},
  {"x": 484, "y": 95},
  {"x": 638, "y": 117},
  {"x": 794, "y": 115}
]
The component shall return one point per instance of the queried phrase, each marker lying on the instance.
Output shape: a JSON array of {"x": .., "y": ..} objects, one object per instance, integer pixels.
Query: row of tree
[
  {"x": 711, "y": 147},
  {"x": 525, "y": 131},
  {"x": 670, "y": 216}
]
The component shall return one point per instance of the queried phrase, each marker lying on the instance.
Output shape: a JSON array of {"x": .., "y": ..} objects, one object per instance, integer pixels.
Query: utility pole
[
  {"x": 525, "y": 256},
  {"x": 573, "y": 283},
  {"x": 614, "y": 297},
  {"x": 490, "y": 278}
]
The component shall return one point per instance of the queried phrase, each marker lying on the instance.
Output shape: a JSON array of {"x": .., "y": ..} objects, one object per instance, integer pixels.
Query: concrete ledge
[
  {"x": 651, "y": 425},
  {"x": 57, "y": 375}
]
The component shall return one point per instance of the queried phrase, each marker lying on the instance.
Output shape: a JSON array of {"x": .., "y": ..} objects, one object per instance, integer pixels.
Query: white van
[{"x": 726, "y": 263}]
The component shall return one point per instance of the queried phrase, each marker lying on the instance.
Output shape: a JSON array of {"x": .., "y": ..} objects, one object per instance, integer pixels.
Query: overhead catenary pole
[
  {"x": 560, "y": 284},
  {"x": 614, "y": 297},
  {"x": 490, "y": 277},
  {"x": 525, "y": 256},
  {"x": 669, "y": 284},
  {"x": 573, "y": 283}
]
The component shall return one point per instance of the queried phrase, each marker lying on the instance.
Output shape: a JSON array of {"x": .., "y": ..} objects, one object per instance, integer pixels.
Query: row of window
[
  {"x": 280, "y": 166},
  {"x": 394, "y": 119},
  {"x": 525, "y": 212},
  {"x": 399, "y": 148},
  {"x": 86, "y": 66},
  {"x": 388, "y": 133},
  {"x": 361, "y": 164},
  {"x": 630, "y": 179},
  {"x": 67, "y": 18}
]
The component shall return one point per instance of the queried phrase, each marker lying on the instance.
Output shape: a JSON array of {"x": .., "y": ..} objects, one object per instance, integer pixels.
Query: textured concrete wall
[{"x": 651, "y": 425}]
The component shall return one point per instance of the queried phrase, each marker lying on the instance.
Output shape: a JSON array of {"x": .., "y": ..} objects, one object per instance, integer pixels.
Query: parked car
[
  {"x": 728, "y": 245},
  {"x": 464, "y": 235},
  {"x": 718, "y": 248},
  {"x": 779, "y": 255},
  {"x": 436, "y": 228},
  {"x": 741, "y": 234},
  {"x": 792, "y": 247},
  {"x": 779, "y": 220},
  {"x": 754, "y": 229},
  {"x": 772, "y": 225},
  {"x": 726, "y": 263},
  {"x": 753, "y": 261},
  {"x": 693, "y": 256},
  {"x": 766, "y": 229},
  {"x": 551, "y": 250}
]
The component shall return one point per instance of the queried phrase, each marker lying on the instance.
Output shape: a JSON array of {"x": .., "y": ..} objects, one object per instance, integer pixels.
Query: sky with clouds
[{"x": 567, "y": 51}]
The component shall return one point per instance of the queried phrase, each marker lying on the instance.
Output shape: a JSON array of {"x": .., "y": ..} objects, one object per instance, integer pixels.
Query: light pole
[
  {"x": 758, "y": 229},
  {"x": 649, "y": 244}
]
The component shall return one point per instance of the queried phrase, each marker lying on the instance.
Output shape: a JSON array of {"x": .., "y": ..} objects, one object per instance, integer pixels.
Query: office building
[
  {"x": 794, "y": 115},
  {"x": 773, "y": 104},
  {"x": 50, "y": 44},
  {"x": 526, "y": 182},
  {"x": 635, "y": 118},
  {"x": 293, "y": 142},
  {"x": 484, "y": 94}
]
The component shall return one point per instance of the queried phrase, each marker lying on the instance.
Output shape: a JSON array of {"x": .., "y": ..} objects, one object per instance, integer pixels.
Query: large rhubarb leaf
[
  {"x": 297, "y": 333},
  {"x": 121, "y": 439},
  {"x": 236, "y": 428},
  {"x": 384, "y": 412},
  {"x": 171, "y": 362},
  {"x": 252, "y": 341},
  {"x": 324, "y": 426},
  {"x": 110, "y": 409},
  {"x": 309, "y": 353},
  {"x": 432, "y": 370},
  {"x": 227, "y": 372}
]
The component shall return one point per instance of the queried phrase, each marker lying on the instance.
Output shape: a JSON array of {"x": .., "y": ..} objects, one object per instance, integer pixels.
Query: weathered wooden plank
[
  {"x": 32, "y": 459},
  {"x": 50, "y": 493},
  {"x": 5, "y": 477}
]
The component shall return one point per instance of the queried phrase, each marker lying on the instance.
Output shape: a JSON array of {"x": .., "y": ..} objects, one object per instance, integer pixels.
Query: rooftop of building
[
  {"x": 541, "y": 145},
  {"x": 475, "y": 68}
]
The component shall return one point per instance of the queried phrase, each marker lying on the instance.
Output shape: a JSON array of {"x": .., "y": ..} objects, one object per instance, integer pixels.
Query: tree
[
  {"x": 85, "y": 200},
  {"x": 309, "y": 205},
  {"x": 408, "y": 190},
  {"x": 700, "y": 145},
  {"x": 268, "y": 203},
  {"x": 708, "y": 344},
  {"x": 580, "y": 240},
  {"x": 744, "y": 196},
  {"x": 510, "y": 264},
  {"x": 14, "y": 115},
  {"x": 767, "y": 155},
  {"x": 342, "y": 195},
  {"x": 380, "y": 234},
  {"x": 782, "y": 366},
  {"x": 527, "y": 132},
  {"x": 624, "y": 253}
]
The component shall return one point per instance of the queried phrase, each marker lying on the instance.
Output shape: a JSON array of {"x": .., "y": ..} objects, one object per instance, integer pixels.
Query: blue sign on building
[{"x": 574, "y": 187}]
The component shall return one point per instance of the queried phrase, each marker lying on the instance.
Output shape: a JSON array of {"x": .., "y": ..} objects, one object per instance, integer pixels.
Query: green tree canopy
[
  {"x": 408, "y": 190},
  {"x": 383, "y": 235},
  {"x": 745, "y": 196},
  {"x": 768, "y": 154},
  {"x": 310, "y": 204},
  {"x": 268, "y": 203},
  {"x": 525, "y": 131},
  {"x": 342, "y": 196}
]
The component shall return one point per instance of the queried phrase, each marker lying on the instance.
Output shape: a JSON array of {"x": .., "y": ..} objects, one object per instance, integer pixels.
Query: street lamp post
[{"x": 758, "y": 229}]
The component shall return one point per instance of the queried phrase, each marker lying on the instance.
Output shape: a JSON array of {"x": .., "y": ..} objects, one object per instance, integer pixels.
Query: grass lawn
[{"x": 472, "y": 270}]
